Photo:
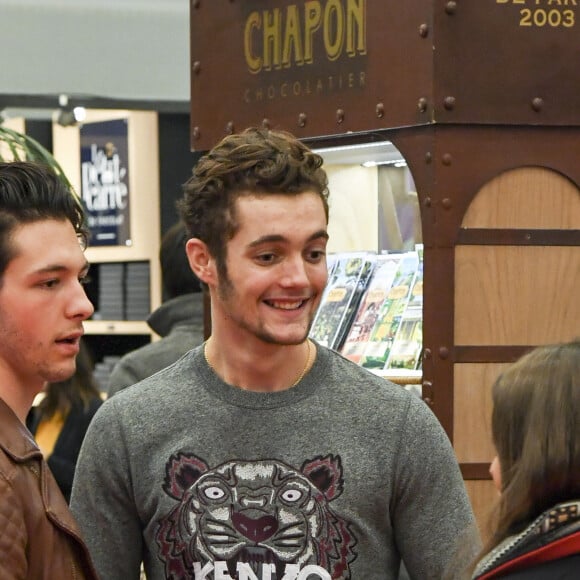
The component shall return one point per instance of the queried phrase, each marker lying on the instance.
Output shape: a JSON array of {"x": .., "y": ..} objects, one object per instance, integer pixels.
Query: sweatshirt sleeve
[
  {"x": 102, "y": 499},
  {"x": 435, "y": 528}
]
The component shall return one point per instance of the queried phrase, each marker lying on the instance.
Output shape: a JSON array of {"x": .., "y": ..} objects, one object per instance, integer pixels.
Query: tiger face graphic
[{"x": 247, "y": 515}]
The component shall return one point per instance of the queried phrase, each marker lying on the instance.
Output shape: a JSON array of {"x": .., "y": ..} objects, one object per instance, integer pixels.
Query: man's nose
[{"x": 80, "y": 306}]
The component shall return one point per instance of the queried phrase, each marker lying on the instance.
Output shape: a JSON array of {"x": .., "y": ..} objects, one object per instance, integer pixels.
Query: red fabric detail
[{"x": 554, "y": 551}]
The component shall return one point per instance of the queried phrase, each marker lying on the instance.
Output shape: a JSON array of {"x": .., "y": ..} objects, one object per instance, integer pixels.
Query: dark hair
[
  {"x": 176, "y": 275},
  {"x": 255, "y": 161},
  {"x": 536, "y": 432},
  {"x": 79, "y": 390},
  {"x": 31, "y": 192}
]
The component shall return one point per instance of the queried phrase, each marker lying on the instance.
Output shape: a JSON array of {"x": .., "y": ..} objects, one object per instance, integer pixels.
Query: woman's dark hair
[
  {"x": 536, "y": 432},
  {"x": 256, "y": 161},
  {"x": 79, "y": 390}
]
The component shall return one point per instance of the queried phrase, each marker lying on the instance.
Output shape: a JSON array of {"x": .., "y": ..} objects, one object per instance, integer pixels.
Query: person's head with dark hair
[
  {"x": 536, "y": 434},
  {"x": 42, "y": 269},
  {"x": 31, "y": 192},
  {"x": 256, "y": 161},
  {"x": 176, "y": 274}
]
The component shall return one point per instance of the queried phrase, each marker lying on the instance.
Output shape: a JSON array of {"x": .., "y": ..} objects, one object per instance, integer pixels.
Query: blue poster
[{"x": 105, "y": 181}]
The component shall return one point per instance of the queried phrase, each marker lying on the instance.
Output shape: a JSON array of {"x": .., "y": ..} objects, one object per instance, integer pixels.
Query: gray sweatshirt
[{"x": 338, "y": 477}]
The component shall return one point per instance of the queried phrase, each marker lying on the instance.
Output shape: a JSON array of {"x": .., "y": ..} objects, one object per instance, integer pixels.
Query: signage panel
[
  {"x": 321, "y": 68},
  {"x": 104, "y": 181},
  {"x": 314, "y": 67}
]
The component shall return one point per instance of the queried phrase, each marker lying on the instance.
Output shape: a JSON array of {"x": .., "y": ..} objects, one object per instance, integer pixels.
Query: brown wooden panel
[
  {"x": 484, "y": 497},
  {"x": 518, "y": 237},
  {"x": 507, "y": 353},
  {"x": 507, "y": 61},
  {"x": 528, "y": 198},
  {"x": 475, "y": 470},
  {"x": 509, "y": 295},
  {"x": 472, "y": 412}
]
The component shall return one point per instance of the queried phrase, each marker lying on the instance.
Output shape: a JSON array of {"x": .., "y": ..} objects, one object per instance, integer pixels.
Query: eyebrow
[
  {"x": 278, "y": 238},
  {"x": 60, "y": 268}
]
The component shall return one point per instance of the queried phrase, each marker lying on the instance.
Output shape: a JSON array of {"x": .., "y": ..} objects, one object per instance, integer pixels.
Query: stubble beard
[{"x": 226, "y": 293}]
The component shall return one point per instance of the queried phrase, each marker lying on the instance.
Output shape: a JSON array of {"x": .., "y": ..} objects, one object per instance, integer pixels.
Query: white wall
[{"x": 120, "y": 49}]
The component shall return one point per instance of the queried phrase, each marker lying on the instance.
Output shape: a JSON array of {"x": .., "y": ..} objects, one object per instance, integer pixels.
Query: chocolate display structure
[{"x": 482, "y": 100}]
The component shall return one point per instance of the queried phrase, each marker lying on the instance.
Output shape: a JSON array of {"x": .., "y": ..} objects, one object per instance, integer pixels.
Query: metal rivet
[
  {"x": 428, "y": 401},
  {"x": 196, "y": 133},
  {"x": 427, "y": 202},
  {"x": 422, "y": 104},
  {"x": 451, "y": 7},
  {"x": 446, "y": 203},
  {"x": 196, "y": 67},
  {"x": 266, "y": 123},
  {"x": 443, "y": 351},
  {"x": 380, "y": 110},
  {"x": 230, "y": 128},
  {"x": 427, "y": 354},
  {"x": 423, "y": 30},
  {"x": 537, "y": 104},
  {"x": 339, "y": 116},
  {"x": 449, "y": 103},
  {"x": 447, "y": 159},
  {"x": 302, "y": 120},
  {"x": 428, "y": 157}
]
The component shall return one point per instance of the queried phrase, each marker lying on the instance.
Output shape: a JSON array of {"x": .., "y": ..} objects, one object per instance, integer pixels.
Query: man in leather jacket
[{"x": 42, "y": 308}]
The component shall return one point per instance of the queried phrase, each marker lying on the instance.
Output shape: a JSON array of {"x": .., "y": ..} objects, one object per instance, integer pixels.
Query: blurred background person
[
  {"x": 59, "y": 422},
  {"x": 536, "y": 433},
  {"x": 179, "y": 320}
]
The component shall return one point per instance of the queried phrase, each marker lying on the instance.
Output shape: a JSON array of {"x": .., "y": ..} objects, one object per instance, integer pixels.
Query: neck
[
  {"x": 275, "y": 368},
  {"x": 19, "y": 400}
]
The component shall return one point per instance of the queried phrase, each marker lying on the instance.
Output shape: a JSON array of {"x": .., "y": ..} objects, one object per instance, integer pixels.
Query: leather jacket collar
[{"x": 15, "y": 439}]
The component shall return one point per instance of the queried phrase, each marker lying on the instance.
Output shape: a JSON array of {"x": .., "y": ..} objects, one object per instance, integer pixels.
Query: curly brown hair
[{"x": 256, "y": 161}]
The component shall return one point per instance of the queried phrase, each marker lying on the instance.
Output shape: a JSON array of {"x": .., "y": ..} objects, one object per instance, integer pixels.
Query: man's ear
[{"x": 201, "y": 261}]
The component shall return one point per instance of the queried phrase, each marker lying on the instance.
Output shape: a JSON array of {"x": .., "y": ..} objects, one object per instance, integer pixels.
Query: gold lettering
[
  {"x": 283, "y": 37},
  {"x": 292, "y": 38},
  {"x": 312, "y": 19},
  {"x": 254, "y": 62},
  {"x": 356, "y": 27},
  {"x": 333, "y": 12},
  {"x": 271, "y": 23}
]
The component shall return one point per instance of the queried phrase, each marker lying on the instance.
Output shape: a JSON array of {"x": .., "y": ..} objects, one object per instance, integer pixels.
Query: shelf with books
[{"x": 372, "y": 312}]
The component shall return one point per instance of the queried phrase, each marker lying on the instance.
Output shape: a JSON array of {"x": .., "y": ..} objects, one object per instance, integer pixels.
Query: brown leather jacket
[{"x": 39, "y": 539}]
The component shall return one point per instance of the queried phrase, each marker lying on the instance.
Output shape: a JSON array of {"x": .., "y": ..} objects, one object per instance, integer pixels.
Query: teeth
[{"x": 286, "y": 305}]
